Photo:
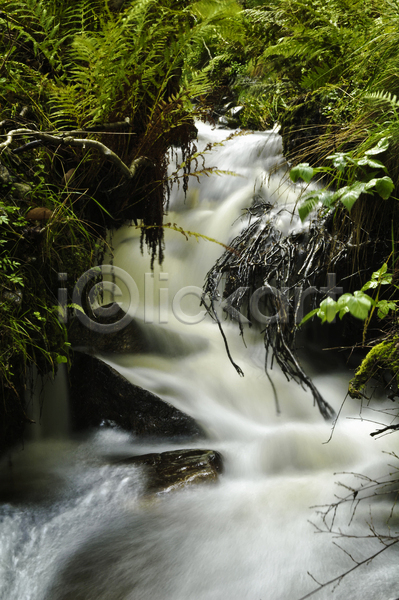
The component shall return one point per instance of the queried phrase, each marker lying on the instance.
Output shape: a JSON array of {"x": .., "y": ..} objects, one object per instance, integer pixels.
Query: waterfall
[{"x": 75, "y": 525}]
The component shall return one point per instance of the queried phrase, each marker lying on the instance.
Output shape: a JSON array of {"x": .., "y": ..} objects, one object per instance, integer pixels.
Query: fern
[
  {"x": 187, "y": 234},
  {"x": 383, "y": 96},
  {"x": 317, "y": 78}
]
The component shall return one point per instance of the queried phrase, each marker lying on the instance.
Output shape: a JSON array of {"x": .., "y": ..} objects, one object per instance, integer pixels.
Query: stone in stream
[
  {"x": 168, "y": 471},
  {"x": 99, "y": 394}
]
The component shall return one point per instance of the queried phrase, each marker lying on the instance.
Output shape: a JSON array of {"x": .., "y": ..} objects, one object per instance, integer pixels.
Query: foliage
[
  {"x": 383, "y": 357},
  {"x": 129, "y": 75},
  {"x": 358, "y": 173},
  {"x": 297, "y": 48},
  {"x": 139, "y": 66},
  {"x": 359, "y": 303},
  {"x": 31, "y": 256}
]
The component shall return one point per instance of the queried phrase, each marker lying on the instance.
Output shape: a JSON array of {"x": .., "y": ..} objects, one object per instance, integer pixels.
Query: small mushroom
[{"x": 39, "y": 213}]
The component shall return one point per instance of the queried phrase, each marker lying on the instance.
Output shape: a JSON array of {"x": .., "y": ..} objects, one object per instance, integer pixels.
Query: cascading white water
[{"x": 75, "y": 526}]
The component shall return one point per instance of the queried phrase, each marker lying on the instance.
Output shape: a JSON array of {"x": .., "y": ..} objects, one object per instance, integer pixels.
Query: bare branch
[
  {"x": 66, "y": 139},
  {"x": 345, "y": 573},
  {"x": 389, "y": 427}
]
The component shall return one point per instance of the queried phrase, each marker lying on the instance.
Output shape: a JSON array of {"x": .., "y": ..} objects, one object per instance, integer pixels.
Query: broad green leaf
[
  {"x": 343, "y": 300},
  {"x": 61, "y": 359},
  {"x": 307, "y": 206},
  {"x": 311, "y": 200},
  {"x": 358, "y": 304},
  {"x": 340, "y": 160},
  {"x": 327, "y": 198},
  {"x": 370, "y": 285},
  {"x": 303, "y": 171},
  {"x": 371, "y": 162},
  {"x": 350, "y": 193},
  {"x": 384, "y": 306},
  {"x": 380, "y": 147},
  {"x": 380, "y": 277},
  {"x": 384, "y": 187},
  {"x": 381, "y": 271},
  {"x": 328, "y": 309},
  {"x": 371, "y": 184}
]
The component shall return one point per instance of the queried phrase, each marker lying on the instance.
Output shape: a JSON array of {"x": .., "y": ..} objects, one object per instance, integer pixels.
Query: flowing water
[{"x": 74, "y": 525}]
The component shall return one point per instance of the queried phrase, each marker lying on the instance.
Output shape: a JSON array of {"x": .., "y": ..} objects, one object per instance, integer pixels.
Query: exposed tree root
[{"x": 275, "y": 272}]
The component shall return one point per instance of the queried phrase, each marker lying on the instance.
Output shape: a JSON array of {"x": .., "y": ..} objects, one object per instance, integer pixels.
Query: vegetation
[
  {"x": 93, "y": 95},
  {"x": 327, "y": 73}
]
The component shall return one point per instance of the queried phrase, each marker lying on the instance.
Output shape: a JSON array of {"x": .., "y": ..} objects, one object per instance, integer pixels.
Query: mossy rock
[{"x": 382, "y": 358}]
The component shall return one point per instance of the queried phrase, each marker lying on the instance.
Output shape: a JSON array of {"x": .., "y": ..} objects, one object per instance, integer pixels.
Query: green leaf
[
  {"x": 61, "y": 359},
  {"x": 350, "y": 193},
  {"x": 310, "y": 314},
  {"x": 307, "y": 207},
  {"x": 303, "y": 171},
  {"x": 343, "y": 301},
  {"x": 76, "y": 307},
  {"x": 384, "y": 187},
  {"x": 311, "y": 200},
  {"x": 380, "y": 277},
  {"x": 343, "y": 311},
  {"x": 381, "y": 271},
  {"x": 359, "y": 305},
  {"x": 379, "y": 148},
  {"x": 370, "y": 285},
  {"x": 328, "y": 309},
  {"x": 327, "y": 198},
  {"x": 340, "y": 160},
  {"x": 384, "y": 306},
  {"x": 373, "y": 163}
]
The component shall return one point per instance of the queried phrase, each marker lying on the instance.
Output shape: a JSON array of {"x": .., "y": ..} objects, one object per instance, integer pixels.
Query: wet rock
[
  {"x": 14, "y": 298},
  {"x": 99, "y": 394},
  {"x": 168, "y": 471},
  {"x": 5, "y": 177},
  {"x": 21, "y": 190}
]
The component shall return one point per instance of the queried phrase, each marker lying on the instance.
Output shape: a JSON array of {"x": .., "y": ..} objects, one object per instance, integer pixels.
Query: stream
[{"x": 75, "y": 525}]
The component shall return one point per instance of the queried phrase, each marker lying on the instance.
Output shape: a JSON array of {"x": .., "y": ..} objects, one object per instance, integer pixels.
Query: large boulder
[
  {"x": 100, "y": 395},
  {"x": 167, "y": 471}
]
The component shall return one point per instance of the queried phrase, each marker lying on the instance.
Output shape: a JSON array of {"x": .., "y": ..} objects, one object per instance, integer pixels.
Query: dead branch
[
  {"x": 339, "y": 578},
  {"x": 388, "y": 428},
  {"x": 65, "y": 138}
]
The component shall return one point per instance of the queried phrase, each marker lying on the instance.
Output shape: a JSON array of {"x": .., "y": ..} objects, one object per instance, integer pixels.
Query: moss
[{"x": 384, "y": 356}]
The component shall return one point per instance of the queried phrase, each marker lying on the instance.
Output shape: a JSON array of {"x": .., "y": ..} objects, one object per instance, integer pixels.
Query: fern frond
[
  {"x": 187, "y": 234},
  {"x": 383, "y": 96},
  {"x": 317, "y": 78}
]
